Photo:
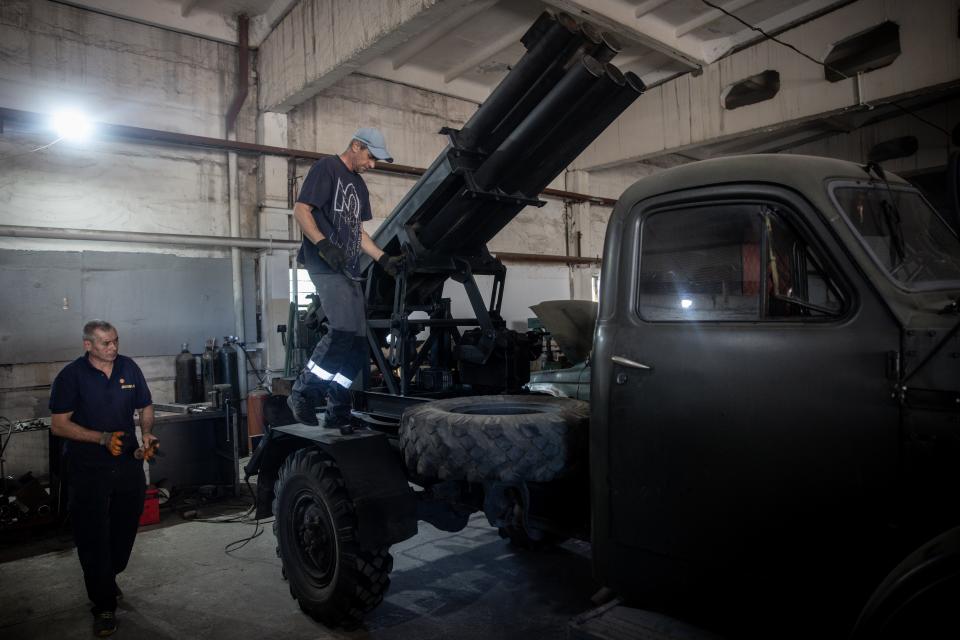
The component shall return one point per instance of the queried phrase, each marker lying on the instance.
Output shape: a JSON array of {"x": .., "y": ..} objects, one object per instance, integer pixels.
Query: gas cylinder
[
  {"x": 255, "y": 402},
  {"x": 207, "y": 369},
  {"x": 186, "y": 374},
  {"x": 229, "y": 366},
  {"x": 217, "y": 365}
]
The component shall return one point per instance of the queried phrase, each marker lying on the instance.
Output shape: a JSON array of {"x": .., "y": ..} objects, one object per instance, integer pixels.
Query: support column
[
  {"x": 581, "y": 238},
  {"x": 276, "y": 223}
]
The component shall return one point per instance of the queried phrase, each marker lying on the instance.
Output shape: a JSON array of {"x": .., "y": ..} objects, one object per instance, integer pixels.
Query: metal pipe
[
  {"x": 541, "y": 86},
  {"x": 243, "y": 71},
  {"x": 530, "y": 67},
  {"x": 92, "y": 235},
  {"x": 155, "y": 136},
  {"x": 540, "y": 121},
  {"x": 243, "y": 74},
  {"x": 545, "y": 258},
  {"x": 237, "y": 276},
  {"x": 605, "y": 45},
  {"x": 542, "y": 156},
  {"x": 600, "y": 118}
]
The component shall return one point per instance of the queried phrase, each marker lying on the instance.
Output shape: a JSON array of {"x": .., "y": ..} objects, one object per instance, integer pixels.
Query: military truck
[
  {"x": 774, "y": 398},
  {"x": 774, "y": 423}
]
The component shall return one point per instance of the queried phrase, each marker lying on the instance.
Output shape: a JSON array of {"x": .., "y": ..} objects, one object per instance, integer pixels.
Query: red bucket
[{"x": 151, "y": 508}]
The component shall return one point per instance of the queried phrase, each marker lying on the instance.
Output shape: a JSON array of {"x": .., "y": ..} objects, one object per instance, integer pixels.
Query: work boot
[
  {"x": 104, "y": 624},
  {"x": 303, "y": 407},
  {"x": 339, "y": 422}
]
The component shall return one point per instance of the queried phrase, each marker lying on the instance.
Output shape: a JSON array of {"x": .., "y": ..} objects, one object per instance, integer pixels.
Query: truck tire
[
  {"x": 495, "y": 438},
  {"x": 331, "y": 577}
]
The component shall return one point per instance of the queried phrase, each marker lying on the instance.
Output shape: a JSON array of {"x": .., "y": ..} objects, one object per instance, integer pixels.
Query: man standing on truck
[{"x": 331, "y": 208}]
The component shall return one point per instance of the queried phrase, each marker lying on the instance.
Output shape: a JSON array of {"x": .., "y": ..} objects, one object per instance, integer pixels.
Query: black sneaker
[
  {"x": 104, "y": 624},
  {"x": 302, "y": 408}
]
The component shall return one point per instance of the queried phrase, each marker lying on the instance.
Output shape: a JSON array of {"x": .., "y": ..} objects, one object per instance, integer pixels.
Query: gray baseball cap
[{"x": 375, "y": 141}]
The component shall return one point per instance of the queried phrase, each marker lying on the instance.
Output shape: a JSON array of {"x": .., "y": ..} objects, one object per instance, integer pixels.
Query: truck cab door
[{"x": 742, "y": 416}]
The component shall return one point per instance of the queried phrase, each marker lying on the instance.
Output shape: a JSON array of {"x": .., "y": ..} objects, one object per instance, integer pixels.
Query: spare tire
[{"x": 495, "y": 438}]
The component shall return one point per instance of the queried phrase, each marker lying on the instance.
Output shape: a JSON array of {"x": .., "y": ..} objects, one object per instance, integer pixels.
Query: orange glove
[
  {"x": 113, "y": 442},
  {"x": 151, "y": 450}
]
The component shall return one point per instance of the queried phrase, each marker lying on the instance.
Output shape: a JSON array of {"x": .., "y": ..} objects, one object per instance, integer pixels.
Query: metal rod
[
  {"x": 15, "y": 231},
  {"x": 155, "y": 136},
  {"x": 546, "y": 259},
  {"x": 93, "y": 235}
]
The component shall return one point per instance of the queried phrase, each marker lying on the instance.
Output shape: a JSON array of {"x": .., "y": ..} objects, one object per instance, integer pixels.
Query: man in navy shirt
[
  {"x": 92, "y": 402},
  {"x": 331, "y": 208}
]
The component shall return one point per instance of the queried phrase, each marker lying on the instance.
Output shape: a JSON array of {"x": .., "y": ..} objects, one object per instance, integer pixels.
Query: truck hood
[{"x": 571, "y": 322}]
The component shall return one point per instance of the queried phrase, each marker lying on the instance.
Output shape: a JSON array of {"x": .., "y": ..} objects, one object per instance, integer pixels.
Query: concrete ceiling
[
  {"x": 466, "y": 54},
  {"x": 466, "y": 47}
]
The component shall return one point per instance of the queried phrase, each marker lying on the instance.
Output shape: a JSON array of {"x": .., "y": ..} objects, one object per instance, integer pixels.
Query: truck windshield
[{"x": 904, "y": 235}]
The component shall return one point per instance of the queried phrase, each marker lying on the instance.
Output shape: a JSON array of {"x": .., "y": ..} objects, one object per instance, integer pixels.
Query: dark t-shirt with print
[{"x": 340, "y": 204}]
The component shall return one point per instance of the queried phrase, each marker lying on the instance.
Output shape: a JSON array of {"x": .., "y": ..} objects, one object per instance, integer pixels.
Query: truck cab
[{"x": 774, "y": 396}]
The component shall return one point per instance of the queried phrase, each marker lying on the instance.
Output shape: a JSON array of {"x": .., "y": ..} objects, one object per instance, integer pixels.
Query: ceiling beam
[
  {"x": 793, "y": 17},
  {"x": 686, "y": 113},
  {"x": 708, "y": 17},
  {"x": 201, "y": 22},
  {"x": 311, "y": 48},
  {"x": 649, "y": 6},
  {"x": 261, "y": 25},
  {"x": 508, "y": 39},
  {"x": 619, "y": 17},
  {"x": 408, "y": 50},
  {"x": 187, "y": 6}
]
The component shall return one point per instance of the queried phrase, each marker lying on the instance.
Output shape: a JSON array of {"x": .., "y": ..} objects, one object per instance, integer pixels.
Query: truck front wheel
[{"x": 331, "y": 577}]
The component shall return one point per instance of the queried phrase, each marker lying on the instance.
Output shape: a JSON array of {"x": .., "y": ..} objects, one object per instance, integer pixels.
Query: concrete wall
[
  {"x": 688, "y": 112},
  {"x": 934, "y": 145},
  {"x": 127, "y": 73},
  {"x": 54, "y": 56}
]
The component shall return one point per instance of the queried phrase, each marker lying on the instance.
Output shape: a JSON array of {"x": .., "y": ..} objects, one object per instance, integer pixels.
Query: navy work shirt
[
  {"x": 100, "y": 404},
  {"x": 340, "y": 203}
]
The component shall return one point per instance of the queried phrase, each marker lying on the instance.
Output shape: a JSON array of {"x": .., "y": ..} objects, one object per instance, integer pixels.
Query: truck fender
[
  {"x": 384, "y": 503},
  {"x": 921, "y": 593}
]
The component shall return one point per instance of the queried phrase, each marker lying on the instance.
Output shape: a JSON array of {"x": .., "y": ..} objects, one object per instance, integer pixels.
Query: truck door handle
[{"x": 633, "y": 364}]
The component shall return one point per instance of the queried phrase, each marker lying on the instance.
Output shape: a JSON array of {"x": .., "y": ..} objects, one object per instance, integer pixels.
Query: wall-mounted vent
[
  {"x": 903, "y": 147},
  {"x": 865, "y": 51},
  {"x": 752, "y": 90}
]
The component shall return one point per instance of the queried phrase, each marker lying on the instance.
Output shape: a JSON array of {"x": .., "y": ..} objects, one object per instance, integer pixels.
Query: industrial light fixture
[
  {"x": 686, "y": 303},
  {"x": 71, "y": 125}
]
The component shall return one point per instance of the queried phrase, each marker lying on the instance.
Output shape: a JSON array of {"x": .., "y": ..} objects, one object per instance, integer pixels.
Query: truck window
[
  {"x": 707, "y": 263},
  {"x": 701, "y": 263},
  {"x": 903, "y": 234},
  {"x": 797, "y": 284}
]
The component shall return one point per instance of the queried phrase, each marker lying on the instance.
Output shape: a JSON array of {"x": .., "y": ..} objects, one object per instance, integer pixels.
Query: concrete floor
[{"x": 180, "y": 584}]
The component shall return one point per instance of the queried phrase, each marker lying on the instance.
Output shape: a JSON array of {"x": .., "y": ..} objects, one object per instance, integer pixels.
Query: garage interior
[{"x": 163, "y": 203}]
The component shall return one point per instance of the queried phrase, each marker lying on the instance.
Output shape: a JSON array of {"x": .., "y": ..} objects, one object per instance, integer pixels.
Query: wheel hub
[{"x": 314, "y": 538}]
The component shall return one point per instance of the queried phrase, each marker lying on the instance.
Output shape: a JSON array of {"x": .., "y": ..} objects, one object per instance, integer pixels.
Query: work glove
[
  {"x": 394, "y": 265},
  {"x": 149, "y": 450},
  {"x": 112, "y": 441},
  {"x": 151, "y": 446},
  {"x": 332, "y": 255}
]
